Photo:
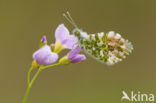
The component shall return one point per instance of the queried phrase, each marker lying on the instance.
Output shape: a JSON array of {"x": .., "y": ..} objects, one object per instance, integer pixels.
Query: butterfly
[{"x": 108, "y": 48}]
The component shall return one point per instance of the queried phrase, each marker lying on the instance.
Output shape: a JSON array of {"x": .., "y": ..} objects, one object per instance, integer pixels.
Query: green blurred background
[{"x": 22, "y": 24}]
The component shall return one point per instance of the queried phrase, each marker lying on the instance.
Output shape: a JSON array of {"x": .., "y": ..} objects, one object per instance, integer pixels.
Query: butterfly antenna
[{"x": 69, "y": 18}]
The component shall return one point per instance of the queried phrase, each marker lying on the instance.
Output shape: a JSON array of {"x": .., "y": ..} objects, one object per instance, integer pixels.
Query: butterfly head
[{"x": 80, "y": 33}]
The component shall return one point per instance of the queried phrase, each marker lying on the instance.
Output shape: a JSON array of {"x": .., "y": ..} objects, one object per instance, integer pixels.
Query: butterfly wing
[{"x": 108, "y": 48}]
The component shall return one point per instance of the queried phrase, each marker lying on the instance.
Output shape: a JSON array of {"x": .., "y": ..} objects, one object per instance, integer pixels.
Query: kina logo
[{"x": 137, "y": 96}]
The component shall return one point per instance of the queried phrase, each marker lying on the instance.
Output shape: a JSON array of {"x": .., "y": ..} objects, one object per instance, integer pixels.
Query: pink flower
[
  {"x": 63, "y": 36},
  {"x": 44, "y": 56}
]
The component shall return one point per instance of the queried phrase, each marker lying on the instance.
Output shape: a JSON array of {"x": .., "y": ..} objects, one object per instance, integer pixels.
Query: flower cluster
[{"x": 47, "y": 55}]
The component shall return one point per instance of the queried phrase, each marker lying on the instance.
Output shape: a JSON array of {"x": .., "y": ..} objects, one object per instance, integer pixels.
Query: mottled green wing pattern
[
  {"x": 108, "y": 48},
  {"x": 96, "y": 45}
]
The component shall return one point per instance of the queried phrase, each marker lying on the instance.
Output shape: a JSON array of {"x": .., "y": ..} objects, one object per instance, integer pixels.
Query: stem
[
  {"x": 34, "y": 78},
  {"x": 30, "y": 83},
  {"x": 52, "y": 65},
  {"x": 28, "y": 76},
  {"x": 26, "y": 94}
]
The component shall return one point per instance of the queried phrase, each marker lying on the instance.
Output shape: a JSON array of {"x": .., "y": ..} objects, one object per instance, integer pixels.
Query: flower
[
  {"x": 63, "y": 39},
  {"x": 44, "y": 56},
  {"x": 73, "y": 56}
]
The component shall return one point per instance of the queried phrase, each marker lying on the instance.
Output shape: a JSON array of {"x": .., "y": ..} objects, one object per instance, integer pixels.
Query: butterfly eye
[{"x": 77, "y": 34}]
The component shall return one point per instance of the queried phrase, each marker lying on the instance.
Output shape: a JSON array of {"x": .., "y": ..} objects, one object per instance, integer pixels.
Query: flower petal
[
  {"x": 44, "y": 56},
  {"x": 74, "y": 52},
  {"x": 78, "y": 58},
  {"x": 70, "y": 42},
  {"x": 49, "y": 59},
  {"x": 44, "y": 48},
  {"x": 61, "y": 33}
]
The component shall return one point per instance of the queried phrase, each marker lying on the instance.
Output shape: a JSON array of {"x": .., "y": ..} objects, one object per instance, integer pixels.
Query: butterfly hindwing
[
  {"x": 108, "y": 48},
  {"x": 96, "y": 46}
]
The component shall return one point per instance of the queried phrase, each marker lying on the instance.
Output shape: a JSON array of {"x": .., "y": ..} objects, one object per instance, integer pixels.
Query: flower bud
[
  {"x": 43, "y": 41},
  {"x": 64, "y": 60},
  {"x": 35, "y": 64}
]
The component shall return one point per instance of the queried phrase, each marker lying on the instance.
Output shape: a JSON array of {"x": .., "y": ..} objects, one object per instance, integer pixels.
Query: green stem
[
  {"x": 34, "y": 78},
  {"x": 30, "y": 83},
  {"x": 52, "y": 65},
  {"x": 26, "y": 94},
  {"x": 28, "y": 76}
]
